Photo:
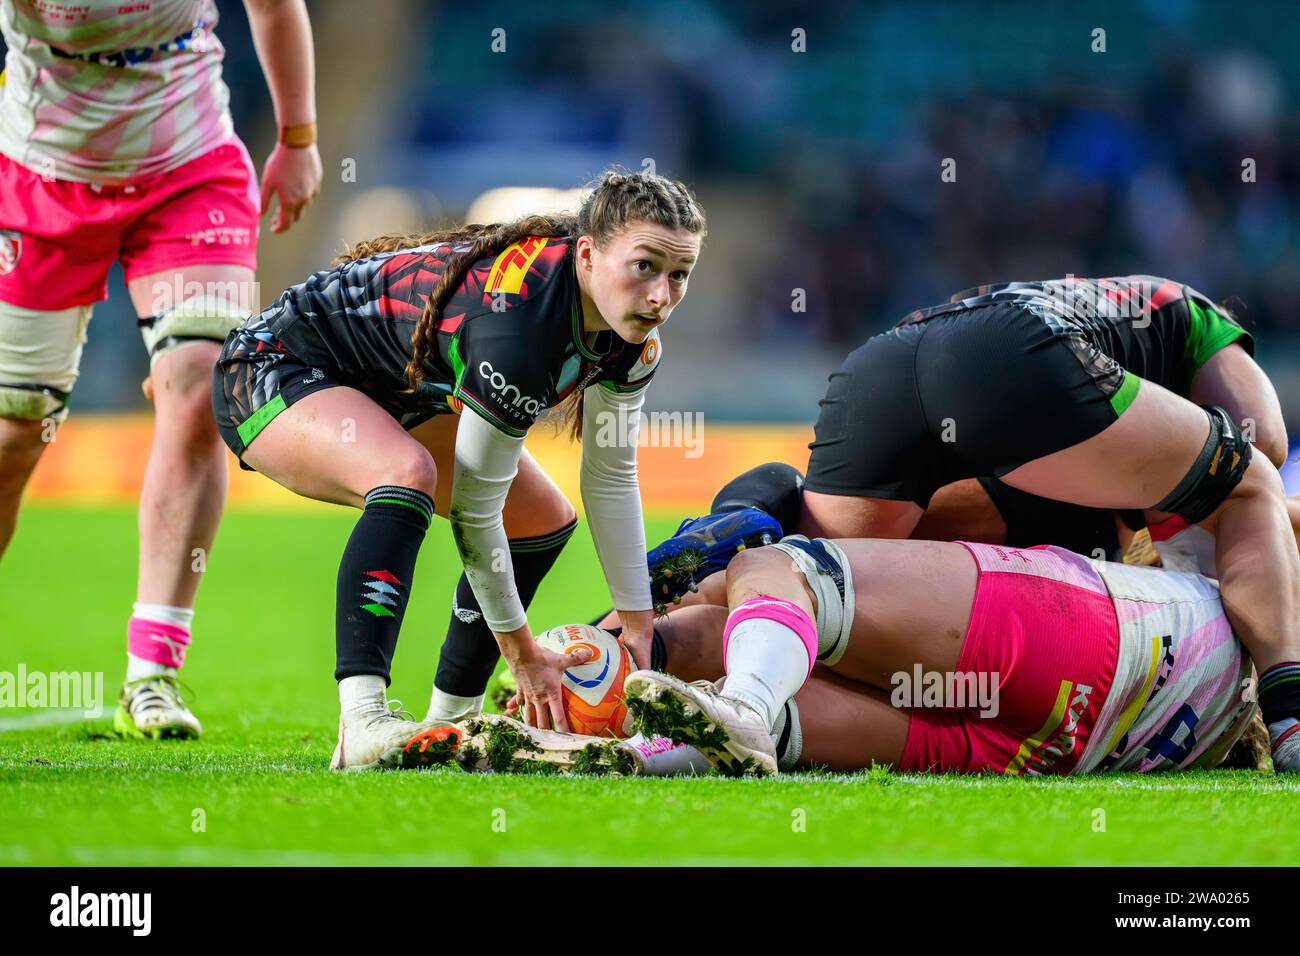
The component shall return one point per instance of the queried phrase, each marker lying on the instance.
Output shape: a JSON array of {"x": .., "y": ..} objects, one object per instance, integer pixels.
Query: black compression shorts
[
  {"x": 979, "y": 391},
  {"x": 256, "y": 378}
]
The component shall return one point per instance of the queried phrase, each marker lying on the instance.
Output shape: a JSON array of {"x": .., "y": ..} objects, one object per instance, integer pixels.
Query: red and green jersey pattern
[
  {"x": 1157, "y": 328},
  {"x": 509, "y": 339}
]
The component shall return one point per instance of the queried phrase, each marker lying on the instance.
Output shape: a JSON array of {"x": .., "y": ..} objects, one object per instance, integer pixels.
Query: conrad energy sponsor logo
[{"x": 506, "y": 394}]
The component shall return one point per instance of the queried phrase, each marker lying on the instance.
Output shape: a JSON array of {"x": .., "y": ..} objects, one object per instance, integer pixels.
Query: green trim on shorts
[
  {"x": 1128, "y": 391},
  {"x": 252, "y": 426},
  {"x": 1211, "y": 331}
]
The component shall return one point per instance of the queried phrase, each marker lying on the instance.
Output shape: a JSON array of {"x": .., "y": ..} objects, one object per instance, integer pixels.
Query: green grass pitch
[{"x": 256, "y": 789}]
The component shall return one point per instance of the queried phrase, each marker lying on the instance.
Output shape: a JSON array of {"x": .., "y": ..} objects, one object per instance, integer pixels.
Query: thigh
[
  {"x": 1134, "y": 463},
  {"x": 335, "y": 444},
  {"x": 847, "y": 725},
  {"x": 962, "y": 511},
  {"x": 911, "y": 605},
  {"x": 535, "y": 505},
  {"x": 848, "y": 516},
  {"x": 1040, "y": 655},
  {"x": 154, "y": 293}
]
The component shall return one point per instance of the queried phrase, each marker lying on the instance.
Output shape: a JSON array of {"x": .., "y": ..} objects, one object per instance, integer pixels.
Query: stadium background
[{"x": 820, "y": 171}]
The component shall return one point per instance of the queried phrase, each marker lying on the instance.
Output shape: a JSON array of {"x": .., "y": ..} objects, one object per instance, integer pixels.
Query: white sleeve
[
  {"x": 611, "y": 494},
  {"x": 487, "y": 460}
]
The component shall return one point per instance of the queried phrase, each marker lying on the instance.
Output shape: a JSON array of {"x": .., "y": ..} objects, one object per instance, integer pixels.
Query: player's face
[{"x": 638, "y": 278}]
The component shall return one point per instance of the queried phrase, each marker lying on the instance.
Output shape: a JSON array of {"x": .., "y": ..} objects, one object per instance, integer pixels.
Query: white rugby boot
[
  {"x": 1284, "y": 737},
  {"x": 384, "y": 738},
  {"x": 502, "y": 744},
  {"x": 151, "y": 708},
  {"x": 731, "y": 735}
]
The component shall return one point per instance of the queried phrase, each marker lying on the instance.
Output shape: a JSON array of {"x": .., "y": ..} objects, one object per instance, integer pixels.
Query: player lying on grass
[
  {"x": 350, "y": 389},
  {"x": 1077, "y": 390},
  {"x": 1083, "y": 665},
  {"x": 833, "y": 651},
  {"x": 689, "y": 641}
]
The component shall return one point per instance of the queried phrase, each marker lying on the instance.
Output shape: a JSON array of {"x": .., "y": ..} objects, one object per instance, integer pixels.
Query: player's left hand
[
  {"x": 294, "y": 177},
  {"x": 637, "y": 635},
  {"x": 638, "y": 644}
]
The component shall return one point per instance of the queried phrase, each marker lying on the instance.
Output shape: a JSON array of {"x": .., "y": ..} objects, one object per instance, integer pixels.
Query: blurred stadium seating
[{"x": 820, "y": 170}]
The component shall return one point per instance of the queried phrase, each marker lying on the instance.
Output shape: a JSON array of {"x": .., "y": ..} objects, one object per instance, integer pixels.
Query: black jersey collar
[{"x": 579, "y": 340}]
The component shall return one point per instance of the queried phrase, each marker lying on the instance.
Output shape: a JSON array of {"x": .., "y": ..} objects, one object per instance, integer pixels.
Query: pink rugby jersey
[{"x": 107, "y": 91}]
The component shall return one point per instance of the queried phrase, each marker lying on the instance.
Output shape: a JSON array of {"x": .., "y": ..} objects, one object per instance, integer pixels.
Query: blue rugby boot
[{"x": 703, "y": 546}]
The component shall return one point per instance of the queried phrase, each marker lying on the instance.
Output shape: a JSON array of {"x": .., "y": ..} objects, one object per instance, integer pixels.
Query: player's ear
[{"x": 582, "y": 252}]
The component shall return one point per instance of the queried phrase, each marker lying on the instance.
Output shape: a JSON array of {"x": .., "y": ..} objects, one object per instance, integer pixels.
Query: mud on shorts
[{"x": 979, "y": 391}]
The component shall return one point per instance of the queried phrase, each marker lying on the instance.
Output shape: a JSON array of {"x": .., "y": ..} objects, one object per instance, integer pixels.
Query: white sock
[
  {"x": 164, "y": 614},
  {"x": 767, "y": 663},
  {"x": 363, "y": 695},
  {"x": 444, "y": 706},
  {"x": 138, "y": 667}
]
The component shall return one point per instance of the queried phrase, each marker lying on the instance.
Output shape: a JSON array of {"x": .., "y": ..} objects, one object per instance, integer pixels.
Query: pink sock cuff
[
  {"x": 782, "y": 612},
  {"x": 155, "y": 641}
]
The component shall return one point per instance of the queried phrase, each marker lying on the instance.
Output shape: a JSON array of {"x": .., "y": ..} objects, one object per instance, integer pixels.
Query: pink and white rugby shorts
[{"x": 58, "y": 239}]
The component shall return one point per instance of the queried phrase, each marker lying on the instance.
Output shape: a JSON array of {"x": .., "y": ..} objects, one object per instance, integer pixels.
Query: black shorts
[
  {"x": 256, "y": 378},
  {"x": 1032, "y": 521},
  {"x": 979, "y": 391}
]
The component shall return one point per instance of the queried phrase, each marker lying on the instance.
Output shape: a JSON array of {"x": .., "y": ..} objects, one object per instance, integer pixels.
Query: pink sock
[
  {"x": 768, "y": 650},
  {"x": 781, "y": 612},
  {"x": 156, "y": 641}
]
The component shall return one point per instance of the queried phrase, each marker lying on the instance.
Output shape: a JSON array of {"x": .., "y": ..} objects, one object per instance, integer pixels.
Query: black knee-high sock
[
  {"x": 375, "y": 579},
  {"x": 1279, "y": 692},
  {"x": 775, "y": 488},
  {"x": 469, "y": 653}
]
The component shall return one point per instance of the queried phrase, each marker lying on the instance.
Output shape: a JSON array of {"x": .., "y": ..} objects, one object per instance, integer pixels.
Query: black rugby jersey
[
  {"x": 509, "y": 341},
  {"x": 1159, "y": 329}
]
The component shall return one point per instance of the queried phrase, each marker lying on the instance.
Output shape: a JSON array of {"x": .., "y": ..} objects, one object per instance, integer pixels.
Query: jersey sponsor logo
[
  {"x": 196, "y": 39},
  {"x": 11, "y": 250},
  {"x": 511, "y": 267},
  {"x": 1057, "y": 740},
  {"x": 645, "y": 365},
  {"x": 503, "y": 390}
]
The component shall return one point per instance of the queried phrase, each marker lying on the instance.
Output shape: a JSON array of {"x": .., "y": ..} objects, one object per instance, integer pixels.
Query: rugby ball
[{"x": 593, "y": 691}]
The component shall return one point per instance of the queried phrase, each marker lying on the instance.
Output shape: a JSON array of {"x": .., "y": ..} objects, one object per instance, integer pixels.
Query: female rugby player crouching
[{"x": 339, "y": 392}]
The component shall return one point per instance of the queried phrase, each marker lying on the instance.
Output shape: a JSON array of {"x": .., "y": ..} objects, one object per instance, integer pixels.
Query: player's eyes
[
  {"x": 680, "y": 276},
  {"x": 648, "y": 266}
]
